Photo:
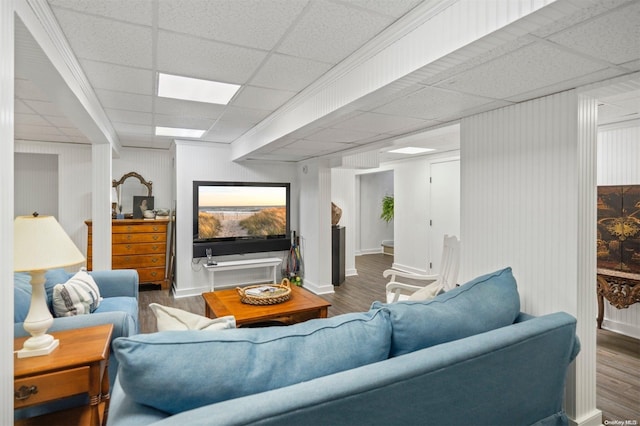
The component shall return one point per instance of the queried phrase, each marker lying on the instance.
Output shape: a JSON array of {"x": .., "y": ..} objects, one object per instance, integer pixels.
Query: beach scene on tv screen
[{"x": 241, "y": 211}]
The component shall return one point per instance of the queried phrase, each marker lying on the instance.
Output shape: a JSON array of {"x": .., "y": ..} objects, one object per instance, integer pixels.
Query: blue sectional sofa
[
  {"x": 119, "y": 306},
  {"x": 468, "y": 356}
]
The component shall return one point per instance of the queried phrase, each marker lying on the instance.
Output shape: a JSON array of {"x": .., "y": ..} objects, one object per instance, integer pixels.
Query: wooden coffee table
[{"x": 303, "y": 305}]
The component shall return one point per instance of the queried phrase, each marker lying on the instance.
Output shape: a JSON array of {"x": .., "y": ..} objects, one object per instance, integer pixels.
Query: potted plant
[{"x": 387, "y": 208}]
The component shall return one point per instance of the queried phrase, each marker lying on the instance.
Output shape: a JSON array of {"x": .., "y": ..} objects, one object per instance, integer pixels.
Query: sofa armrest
[{"x": 118, "y": 282}]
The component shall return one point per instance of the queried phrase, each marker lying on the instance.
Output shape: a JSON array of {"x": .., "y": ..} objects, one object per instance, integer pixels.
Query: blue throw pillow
[
  {"x": 175, "y": 371},
  {"x": 488, "y": 302}
]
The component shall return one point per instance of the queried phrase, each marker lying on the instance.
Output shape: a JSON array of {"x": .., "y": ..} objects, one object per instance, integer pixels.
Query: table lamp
[{"x": 39, "y": 244}]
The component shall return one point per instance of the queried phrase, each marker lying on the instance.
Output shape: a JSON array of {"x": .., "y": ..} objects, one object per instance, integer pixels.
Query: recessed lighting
[
  {"x": 411, "y": 150},
  {"x": 194, "y": 89},
  {"x": 181, "y": 133}
]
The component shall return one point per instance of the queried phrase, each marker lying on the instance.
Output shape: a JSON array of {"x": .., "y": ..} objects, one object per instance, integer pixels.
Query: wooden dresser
[{"x": 139, "y": 244}]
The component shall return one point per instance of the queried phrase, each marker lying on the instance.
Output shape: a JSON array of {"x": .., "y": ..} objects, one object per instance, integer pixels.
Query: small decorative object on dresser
[{"x": 139, "y": 244}]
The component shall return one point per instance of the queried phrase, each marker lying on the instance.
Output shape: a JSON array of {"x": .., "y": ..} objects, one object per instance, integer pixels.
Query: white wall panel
[
  {"x": 36, "y": 184},
  {"x": 7, "y": 18},
  {"x": 528, "y": 201},
  {"x": 154, "y": 165},
  {"x": 209, "y": 161},
  {"x": 74, "y": 185},
  {"x": 619, "y": 164}
]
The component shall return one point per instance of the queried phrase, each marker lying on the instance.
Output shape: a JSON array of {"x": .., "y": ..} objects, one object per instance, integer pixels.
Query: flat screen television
[{"x": 240, "y": 217}]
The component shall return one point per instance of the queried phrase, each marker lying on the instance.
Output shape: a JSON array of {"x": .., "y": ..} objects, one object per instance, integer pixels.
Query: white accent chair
[{"x": 445, "y": 280}]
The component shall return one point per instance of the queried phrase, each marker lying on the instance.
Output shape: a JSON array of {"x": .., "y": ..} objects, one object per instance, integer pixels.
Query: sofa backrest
[{"x": 22, "y": 291}]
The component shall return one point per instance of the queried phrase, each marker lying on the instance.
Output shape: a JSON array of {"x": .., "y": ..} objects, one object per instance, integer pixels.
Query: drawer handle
[
  {"x": 155, "y": 228},
  {"x": 128, "y": 246},
  {"x": 129, "y": 228},
  {"x": 128, "y": 237},
  {"x": 154, "y": 260},
  {"x": 154, "y": 247},
  {"x": 25, "y": 392},
  {"x": 155, "y": 237},
  {"x": 154, "y": 273}
]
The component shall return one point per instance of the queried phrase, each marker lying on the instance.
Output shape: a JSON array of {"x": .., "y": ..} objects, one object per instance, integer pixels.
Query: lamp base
[{"x": 39, "y": 350}]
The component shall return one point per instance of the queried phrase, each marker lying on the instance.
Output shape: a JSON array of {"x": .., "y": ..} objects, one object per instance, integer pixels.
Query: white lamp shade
[{"x": 40, "y": 243}]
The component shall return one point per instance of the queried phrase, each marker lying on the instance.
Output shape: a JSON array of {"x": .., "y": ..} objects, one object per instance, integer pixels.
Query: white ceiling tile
[
  {"x": 107, "y": 40},
  {"x": 380, "y": 123},
  {"x": 137, "y": 12},
  {"x": 31, "y": 119},
  {"x": 614, "y": 37},
  {"x": 179, "y": 107},
  {"x": 25, "y": 89},
  {"x": 26, "y": 128},
  {"x": 289, "y": 73},
  {"x": 119, "y": 100},
  {"x": 225, "y": 131},
  {"x": 59, "y": 121},
  {"x": 44, "y": 107},
  {"x": 395, "y": 8},
  {"x": 72, "y": 131},
  {"x": 148, "y": 141},
  {"x": 133, "y": 129},
  {"x": 195, "y": 57},
  {"x": 20, "y": 107},
  {"x": 339, "y": 135},
  {"x": 252, "y": 23},
  {"x": 329, "y": 32},
  {"x": 261, "y": 98},
  {"x": 433, "y": 104},
  {"x": 247, "y": 115},
  {"x": 183, "y": 122},
  {"x": 532, "y": 67},
  {"x": 120, "y": 78},
  {"x": 133, "y": 117}
]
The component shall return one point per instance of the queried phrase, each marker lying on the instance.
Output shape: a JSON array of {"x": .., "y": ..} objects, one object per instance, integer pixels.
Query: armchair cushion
[
  {"x": 157, "y": 369},
  {"x": 455, "y": 314}
]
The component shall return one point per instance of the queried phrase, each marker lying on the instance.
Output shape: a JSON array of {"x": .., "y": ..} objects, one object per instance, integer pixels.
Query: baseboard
[
  {"x": 592, "y": 419},
  {"x": 189, "y": 292},
  {"x": 351, "y": 272},
  {"x": 405, "y": 268},
  {"x": 318, "y": 289},
  {"x": 622, "y": 328},
  {"x": 370, "y": 251}
]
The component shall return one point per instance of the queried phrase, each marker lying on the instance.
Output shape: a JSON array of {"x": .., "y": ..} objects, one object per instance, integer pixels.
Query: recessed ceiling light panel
[
  {"x": 194, "y": 89},
  {"x": 180, "y": 133},
  {"x": 411, "y": 150}
]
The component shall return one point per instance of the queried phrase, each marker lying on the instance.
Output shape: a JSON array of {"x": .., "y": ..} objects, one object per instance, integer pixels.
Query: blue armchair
[{"x": 119, "y": 289}]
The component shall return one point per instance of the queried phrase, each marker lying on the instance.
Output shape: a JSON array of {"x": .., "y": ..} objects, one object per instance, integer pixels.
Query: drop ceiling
[{"x": 278, "y": 49}]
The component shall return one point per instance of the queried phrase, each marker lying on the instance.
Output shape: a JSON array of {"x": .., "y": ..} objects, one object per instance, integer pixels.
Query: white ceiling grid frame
[
  {"x": 396, "y": 57},
  {"x": 42, "y": 25}
]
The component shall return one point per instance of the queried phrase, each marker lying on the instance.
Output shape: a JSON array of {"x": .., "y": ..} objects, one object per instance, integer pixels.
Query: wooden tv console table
[
  {"x": 621, "y": 289},
  {"x": 269, "y": 262}
]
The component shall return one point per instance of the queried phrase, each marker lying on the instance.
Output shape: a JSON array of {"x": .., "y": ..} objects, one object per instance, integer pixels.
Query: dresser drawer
[
  {"x": 141, "y": 229},
  {"x": 51, "y": 386},
  {"x": 138, "y": 261},
  {"x": 150, "y": 274},
  {"x": 139, "y": 248},
  {"x": 138, "y": 238}
]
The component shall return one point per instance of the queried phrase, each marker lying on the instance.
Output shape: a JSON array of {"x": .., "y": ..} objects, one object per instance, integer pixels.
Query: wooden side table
[{"x": 79, "y": 365}]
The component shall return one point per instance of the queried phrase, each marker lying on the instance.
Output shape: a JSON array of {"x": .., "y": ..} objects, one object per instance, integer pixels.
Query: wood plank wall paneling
[
  {"x": 619, "y": 164},
  {"x": 74, "y": 184},
  {"x": 528, "y": 201},
  {"x": 7, "y": 77}
]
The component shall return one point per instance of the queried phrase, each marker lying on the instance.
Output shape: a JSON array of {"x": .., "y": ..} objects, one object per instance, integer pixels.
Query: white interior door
[{"x": 444, "y": 208}]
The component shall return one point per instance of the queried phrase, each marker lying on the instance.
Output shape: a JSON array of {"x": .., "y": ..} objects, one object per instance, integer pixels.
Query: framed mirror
[{"x": 130, "y": 185}]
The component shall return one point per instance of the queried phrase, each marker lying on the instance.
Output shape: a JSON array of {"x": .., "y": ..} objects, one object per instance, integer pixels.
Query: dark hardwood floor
[{"x": 618, "y": 356}]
